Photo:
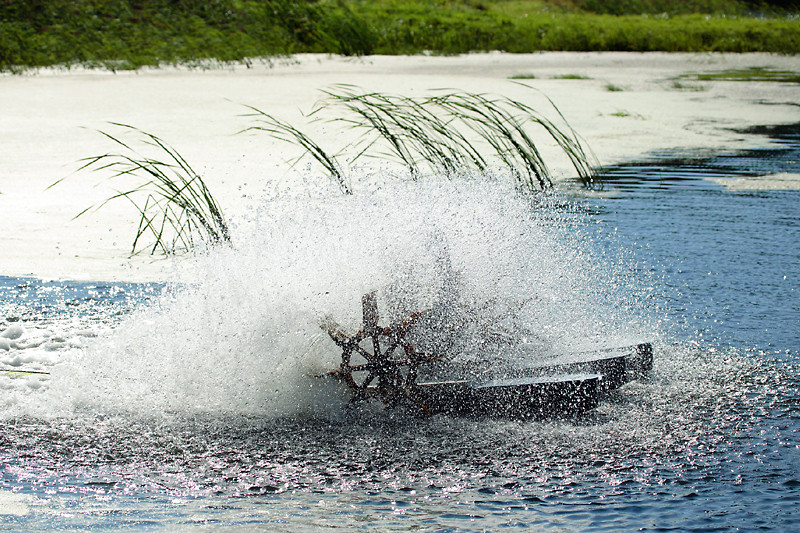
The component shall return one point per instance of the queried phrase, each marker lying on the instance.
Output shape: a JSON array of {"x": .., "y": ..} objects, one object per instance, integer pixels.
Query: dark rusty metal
[
  {"x": 389, "y": 370},
  {"x": 570, "y": 383}
]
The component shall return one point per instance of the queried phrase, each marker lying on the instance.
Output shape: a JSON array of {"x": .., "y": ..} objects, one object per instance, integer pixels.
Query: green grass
[
  {"x": 689, "y": 87},
  {"x": 748, "y": 74},
  {"x": 683, "y": 7},
  {"x": 126, "y": 34},
  {"x": 446, "y": 134},
  {"x": 176, "y": 209},
  {"x": 560, "y": 77}
]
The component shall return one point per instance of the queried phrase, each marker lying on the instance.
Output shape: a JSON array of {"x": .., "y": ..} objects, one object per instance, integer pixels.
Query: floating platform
[
  {"x": 616, "y": 366},
  {"x": 391, "y": 370},
  {"x": 567, "y": 385},
  {"x": 524, "y": 398}
]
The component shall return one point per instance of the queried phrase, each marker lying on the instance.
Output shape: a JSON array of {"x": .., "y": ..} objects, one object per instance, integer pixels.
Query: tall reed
[
  {"x": 176, "y": 208},
  {"x": 284, "y": 131},
  {"x": 446, "y": 134}
]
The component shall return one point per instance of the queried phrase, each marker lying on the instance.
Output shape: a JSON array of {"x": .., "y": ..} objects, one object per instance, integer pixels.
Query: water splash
[
  {"x": 240, "y": 332},
  {"x": 217, "y": 368}
]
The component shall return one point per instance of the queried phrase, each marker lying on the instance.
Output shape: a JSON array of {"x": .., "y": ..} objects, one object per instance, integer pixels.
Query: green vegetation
[
  {"x": 443, "y": 134},
  {"x": 21, "y": 373},
  {"x": 683, "y": 7},
  {"x": 560, "y": 77},
  {"x": 748, "y": 74},
  {"x": 680, "y": 86},
  {"x": 176, "y": 208},
  {"x": 125, "y": 34}
]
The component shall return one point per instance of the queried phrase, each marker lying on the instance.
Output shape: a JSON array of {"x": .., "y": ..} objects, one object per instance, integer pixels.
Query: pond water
[{"x": 710, "y": 443}]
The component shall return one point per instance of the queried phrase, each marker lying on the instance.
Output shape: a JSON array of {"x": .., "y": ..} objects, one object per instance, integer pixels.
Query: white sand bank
[{"x": 49, "y": 121}]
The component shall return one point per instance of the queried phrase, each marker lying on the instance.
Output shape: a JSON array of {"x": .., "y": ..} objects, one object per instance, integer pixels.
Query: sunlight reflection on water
[{"x": 708, "y": 443}]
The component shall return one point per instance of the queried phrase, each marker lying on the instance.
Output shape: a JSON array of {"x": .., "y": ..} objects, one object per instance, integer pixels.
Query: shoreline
[{"x": 625, "y": 105}]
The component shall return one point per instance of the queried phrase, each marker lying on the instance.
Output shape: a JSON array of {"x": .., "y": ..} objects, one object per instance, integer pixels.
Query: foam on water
[{"x": 240, "y": 332}]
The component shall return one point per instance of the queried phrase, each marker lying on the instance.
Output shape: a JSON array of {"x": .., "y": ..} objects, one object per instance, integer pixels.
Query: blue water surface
[
  {"x": 732, "y": 256},
  {"x": 710, "y": 443}
]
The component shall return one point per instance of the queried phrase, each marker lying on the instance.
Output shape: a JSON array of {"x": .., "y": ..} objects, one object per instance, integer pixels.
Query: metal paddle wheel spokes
[
  {"x": 389, "y": 363},
  {"x": 380, "y": 362}
]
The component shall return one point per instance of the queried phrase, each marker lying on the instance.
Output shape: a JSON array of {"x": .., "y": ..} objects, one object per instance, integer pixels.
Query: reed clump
[
  {"x": 444, "y": 134},
  {"x": 176, "y": 208}
]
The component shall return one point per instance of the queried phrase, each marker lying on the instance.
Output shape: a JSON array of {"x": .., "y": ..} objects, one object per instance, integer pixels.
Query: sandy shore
[{"x": 50, "y": 118}]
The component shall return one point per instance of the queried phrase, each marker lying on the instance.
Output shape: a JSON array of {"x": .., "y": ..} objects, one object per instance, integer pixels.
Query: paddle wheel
[
  {"x": 387, "y": 367},
  {"x": 379, "y": 362}
]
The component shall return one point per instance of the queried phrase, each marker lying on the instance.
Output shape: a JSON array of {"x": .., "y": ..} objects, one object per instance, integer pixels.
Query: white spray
[{"x": 241, "y": 332}]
